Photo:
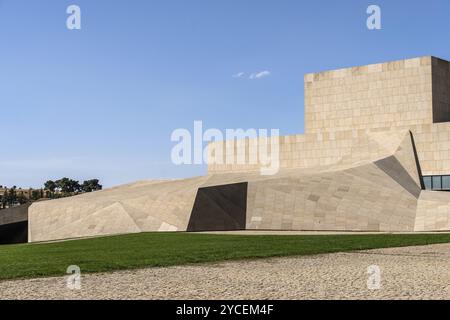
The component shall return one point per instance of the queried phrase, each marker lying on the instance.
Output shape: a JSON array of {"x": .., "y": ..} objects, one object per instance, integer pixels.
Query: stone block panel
[
  {"x": 361, "y": 198},
  {"x": 433, "y": 211},
  {"x": 389, "y": 94}
]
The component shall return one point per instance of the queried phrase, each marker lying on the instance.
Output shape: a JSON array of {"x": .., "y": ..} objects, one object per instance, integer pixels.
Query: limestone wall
[
  {"x": 308, "y": 151},
  {"x": 433, "y": 211},
  {"x": 381, "y": 95},
  {"x": 355, "y": 113}
]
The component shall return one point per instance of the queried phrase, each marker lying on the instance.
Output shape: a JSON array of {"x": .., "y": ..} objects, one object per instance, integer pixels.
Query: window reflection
[{"x": 441, "y": 183}]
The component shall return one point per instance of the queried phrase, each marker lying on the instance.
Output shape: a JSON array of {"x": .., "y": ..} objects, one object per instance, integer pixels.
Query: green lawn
[{"x": 167, "y": 249}]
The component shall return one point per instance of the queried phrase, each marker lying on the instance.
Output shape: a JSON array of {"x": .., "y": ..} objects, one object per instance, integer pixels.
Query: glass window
[
  {"x": 446, "y": 182},
  {"x": 427, "y": 183},
  {"x": 437, "y": 184}
]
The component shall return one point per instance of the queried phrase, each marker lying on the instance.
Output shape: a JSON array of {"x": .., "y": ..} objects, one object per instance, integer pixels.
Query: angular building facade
[{"x": 375, "y": 156}]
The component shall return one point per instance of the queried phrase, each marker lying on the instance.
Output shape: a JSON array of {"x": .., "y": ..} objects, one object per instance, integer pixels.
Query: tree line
[
  {"x": 61, "y": 188},
  {"x": 12, "y": 197},
  {"x": 69, "y": 187}
]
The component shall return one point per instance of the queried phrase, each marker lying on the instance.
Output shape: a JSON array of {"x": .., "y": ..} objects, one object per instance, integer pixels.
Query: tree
[
  {"x": 91, "y": 185},
  {"x": 12, "y": 196},
  {"x": 36, "y": 195},
  {"x": 21, "y": 199},
  {"x": 50, "y": 186},
  {"x": 68, "y": 186},
  {"x": 4, "y": 201}
]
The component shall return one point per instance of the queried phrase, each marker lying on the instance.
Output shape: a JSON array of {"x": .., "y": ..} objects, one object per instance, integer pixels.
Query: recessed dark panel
[
  {"x": 220, "y": 208},
  {"x": 14, "y": 225},
  {"x": 14, "y": 233}
]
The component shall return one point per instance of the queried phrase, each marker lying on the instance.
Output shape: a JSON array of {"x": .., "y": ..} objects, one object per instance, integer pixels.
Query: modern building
[{"x": 375, "y": 156}]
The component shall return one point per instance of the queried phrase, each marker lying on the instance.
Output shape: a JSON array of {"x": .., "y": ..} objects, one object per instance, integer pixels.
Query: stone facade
[
  {"x": 372, "y": 132},
  {"x": 387, "y": 95},
  {"x": 343, "y": 105}
]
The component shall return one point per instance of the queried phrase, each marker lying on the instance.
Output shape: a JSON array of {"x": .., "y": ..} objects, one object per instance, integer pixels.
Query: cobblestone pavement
[{"x": 406, "y": 273}]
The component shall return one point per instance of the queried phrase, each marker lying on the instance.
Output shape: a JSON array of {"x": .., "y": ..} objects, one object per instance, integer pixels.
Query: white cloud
[
  {"x": 259, "y": 75},
  {"x": 238, "y": 75}
]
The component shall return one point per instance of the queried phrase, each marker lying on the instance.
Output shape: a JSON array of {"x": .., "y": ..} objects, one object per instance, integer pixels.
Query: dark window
[
  {"x": 427, "y": 183},
  {"x": 445, "y": 182},
  {"x": 437, "y": 183}
]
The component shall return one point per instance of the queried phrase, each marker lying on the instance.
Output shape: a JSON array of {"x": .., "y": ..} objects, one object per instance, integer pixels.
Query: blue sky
[{"x": 103, "y": 101}]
